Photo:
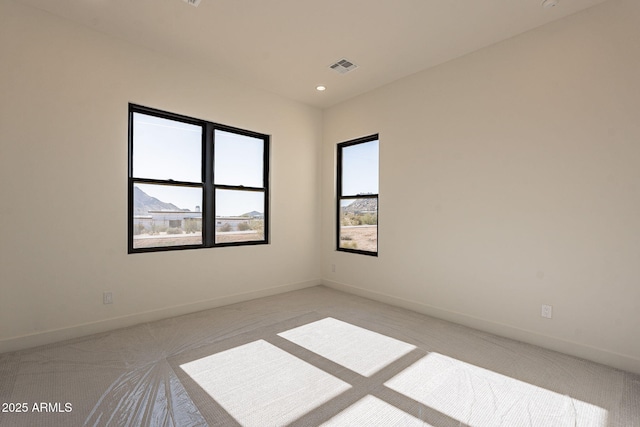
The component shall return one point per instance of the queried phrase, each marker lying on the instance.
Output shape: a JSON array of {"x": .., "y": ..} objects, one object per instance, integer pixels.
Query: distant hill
[
  {"x": 254, "y": 214},
  {"x": 143, "y": 203},
  {"x": 362, "y": 205}
]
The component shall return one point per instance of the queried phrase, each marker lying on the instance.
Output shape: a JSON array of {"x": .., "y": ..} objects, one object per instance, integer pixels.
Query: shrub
[
  {"x": 348, "y": 219},
  {"x": 243, "y": 226},
  {"x": 257, "y": 225},
  {"x": 174, "y": 230},
  {"x": 349, "y": 245},
  {"x": 192, "y": 225},
  {"x": 359, "y": 219},
  {"x": 139, "y": 229},
  {"x": 226, "y": 227},
  {"x": 369, "y": 219}
]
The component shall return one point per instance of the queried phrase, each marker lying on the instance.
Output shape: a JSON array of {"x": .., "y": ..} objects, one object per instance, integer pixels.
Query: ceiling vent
[
  {"x": 195, "y": 3},
  {"x": 343, "y": 66}
]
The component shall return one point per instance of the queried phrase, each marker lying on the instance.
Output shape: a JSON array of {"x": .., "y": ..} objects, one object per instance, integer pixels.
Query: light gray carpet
[{"x": 305, "y": 358}]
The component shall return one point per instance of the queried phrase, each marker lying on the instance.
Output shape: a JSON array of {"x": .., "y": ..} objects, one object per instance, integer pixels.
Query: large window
[
  {"x": 195, "y": 184},
  {"x": 357, "y": 207}
]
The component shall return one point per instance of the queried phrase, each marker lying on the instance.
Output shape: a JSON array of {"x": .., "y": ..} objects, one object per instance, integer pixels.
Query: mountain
[
  {"x": 362, "y": 205},
  {"x": 254, "y": 214},
  {"x": 143, "y": 203}
]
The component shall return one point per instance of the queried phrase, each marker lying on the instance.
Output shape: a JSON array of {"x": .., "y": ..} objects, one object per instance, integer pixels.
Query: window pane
[
  {"x": 239, "y": 159},
  {"x": 166, "y": 215},
  {"x": 166, "y": 149},
  {"x": 360, "y": 169},
  {"x": 359, "y": 224},
  {"x": 239, "y": 216}
]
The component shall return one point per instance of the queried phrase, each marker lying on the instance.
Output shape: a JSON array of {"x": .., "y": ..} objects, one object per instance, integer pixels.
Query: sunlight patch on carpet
[
  {"x": 361, "y": 350},
  {"x": 258, "y": 383},
  {"x": 479, "y": 397}
]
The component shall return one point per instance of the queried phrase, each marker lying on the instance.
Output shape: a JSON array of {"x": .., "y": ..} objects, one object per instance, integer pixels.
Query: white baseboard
[
  {"x": 605, "y": 357},
  {"x": 77, "y": 331}
]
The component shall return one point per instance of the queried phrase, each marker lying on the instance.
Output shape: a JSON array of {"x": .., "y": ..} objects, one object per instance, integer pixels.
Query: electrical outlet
[
  {"x": 107, "y": 298},
  {"x": 547, "y": 311}
]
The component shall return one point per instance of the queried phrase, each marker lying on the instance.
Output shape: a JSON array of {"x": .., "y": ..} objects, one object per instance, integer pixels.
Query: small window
[
  {"x": 357, "y": 207},
  {"x": 188, "y": 176}
]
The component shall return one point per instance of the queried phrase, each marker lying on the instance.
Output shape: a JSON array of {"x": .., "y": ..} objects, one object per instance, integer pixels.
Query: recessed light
[{"x": 320, "y": 88}]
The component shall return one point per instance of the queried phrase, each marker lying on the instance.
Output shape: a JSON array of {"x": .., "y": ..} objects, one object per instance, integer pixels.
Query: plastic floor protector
[{"x": 308, "y": 358}]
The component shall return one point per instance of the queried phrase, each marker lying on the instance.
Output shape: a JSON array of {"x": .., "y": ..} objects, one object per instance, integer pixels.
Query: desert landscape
[
  {"x": 361, "y": 237},
  {"x": 164, "y": 240}
]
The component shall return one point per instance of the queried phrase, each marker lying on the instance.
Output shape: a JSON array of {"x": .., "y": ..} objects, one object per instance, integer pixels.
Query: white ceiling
[{"x": 286, "y": 46}]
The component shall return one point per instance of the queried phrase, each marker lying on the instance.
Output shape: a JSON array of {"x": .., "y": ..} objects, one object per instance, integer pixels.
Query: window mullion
[
  {"x": 166, "y": 182},
  {"x": 238, "y": 188},
  {"x": 208, "y": 219}
]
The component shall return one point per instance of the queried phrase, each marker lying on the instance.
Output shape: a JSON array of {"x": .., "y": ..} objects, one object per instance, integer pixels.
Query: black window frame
[
  {"x": 341, "y": 197},
  {"x": 207, "y": 183}
]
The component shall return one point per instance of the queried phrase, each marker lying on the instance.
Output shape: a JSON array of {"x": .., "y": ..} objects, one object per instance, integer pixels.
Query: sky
[
  {"x": 166, "y": 149},
  {"x": 360, "y": 169},
  {"x": 170, "y": 150}
]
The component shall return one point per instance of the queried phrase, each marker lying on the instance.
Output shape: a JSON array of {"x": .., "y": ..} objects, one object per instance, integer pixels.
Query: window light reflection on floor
[
  {"x": 258, "y": 381},
  {"x": 361, "y": 350},
  {"x": 480, "y": 397}
]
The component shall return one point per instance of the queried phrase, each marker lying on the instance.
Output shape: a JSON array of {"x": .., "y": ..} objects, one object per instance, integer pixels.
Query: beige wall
[
  {"x": 63, "y": 184},
  {"x": 510, "y": 178}
]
